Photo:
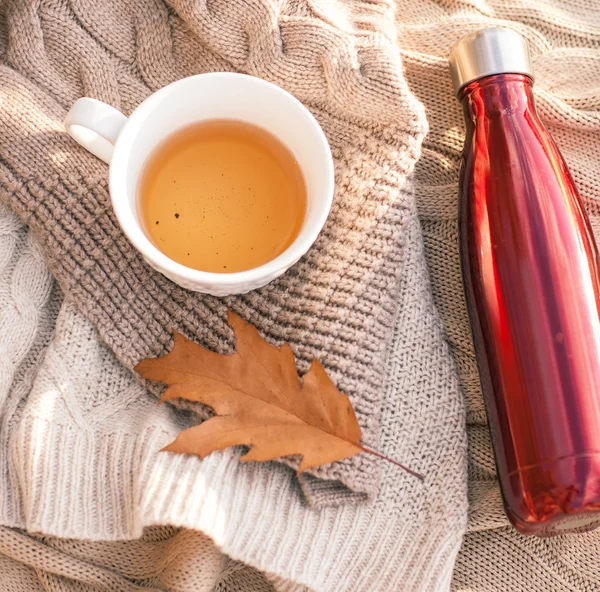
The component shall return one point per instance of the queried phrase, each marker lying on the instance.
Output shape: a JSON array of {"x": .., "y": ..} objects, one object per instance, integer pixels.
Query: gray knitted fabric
[{"x": 339, "y": 302}]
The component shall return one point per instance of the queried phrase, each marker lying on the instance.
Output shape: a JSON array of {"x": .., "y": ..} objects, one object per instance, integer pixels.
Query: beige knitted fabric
[
  {"x": 564, "y": 37},
  {"x": 339, "y": 302},
  {"x": 82, "y": 456},
  {"x": 163, "y": 559}
]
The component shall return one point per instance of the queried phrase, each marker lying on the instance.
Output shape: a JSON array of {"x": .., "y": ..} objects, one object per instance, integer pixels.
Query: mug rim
[{"x": 155, "y": 256}]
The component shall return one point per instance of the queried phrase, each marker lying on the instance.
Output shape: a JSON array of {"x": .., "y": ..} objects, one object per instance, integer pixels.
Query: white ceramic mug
[{"x": 126, "y": 142}]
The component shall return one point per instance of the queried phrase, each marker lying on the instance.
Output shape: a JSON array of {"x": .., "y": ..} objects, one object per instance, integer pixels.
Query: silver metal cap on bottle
[{"x": 487, "y": 52}]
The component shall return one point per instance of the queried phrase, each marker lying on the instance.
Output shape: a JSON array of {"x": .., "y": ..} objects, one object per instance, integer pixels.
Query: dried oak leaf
[{"x": 258, "y": 400}]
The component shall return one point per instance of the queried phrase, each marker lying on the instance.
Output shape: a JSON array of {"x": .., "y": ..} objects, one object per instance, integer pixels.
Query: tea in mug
[{"x": 222, "y": 196}]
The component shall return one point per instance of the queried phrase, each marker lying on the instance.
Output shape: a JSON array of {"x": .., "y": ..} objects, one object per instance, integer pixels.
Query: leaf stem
[{"x": 414, "y": 473}]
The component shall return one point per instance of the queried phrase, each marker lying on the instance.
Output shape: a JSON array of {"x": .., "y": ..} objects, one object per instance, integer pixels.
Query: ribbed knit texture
[
  {"x": 339, "y": 302},
  {"x": 564, "y": 38}
]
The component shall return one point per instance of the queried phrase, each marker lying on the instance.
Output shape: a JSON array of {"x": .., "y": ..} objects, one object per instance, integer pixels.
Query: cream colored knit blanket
[{"x": 339, "y": 302}]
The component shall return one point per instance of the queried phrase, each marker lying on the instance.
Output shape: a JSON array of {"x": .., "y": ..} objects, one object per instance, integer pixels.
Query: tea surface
[{"x": 222, "y": 196}]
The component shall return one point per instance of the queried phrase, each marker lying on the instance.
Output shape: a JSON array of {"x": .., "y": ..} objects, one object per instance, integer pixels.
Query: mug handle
[{"x": 95, "y": 125}]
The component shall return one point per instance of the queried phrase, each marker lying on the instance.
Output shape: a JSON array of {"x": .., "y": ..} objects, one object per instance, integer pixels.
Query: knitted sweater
[
  {"x": 79, "y": 375},
  {"x": 85, "y": 428},
  {"x": 81, "y": 434},
  {"x": 339, "y": 302}
]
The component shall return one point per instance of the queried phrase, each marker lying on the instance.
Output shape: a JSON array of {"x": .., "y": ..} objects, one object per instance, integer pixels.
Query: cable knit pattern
[
  {"x": 27, "y": 309},
  {"x": 64, "y": 474},
  {"x": 338, "y": 303}
]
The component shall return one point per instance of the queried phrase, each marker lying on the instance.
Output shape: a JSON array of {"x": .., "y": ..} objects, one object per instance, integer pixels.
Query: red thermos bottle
[{"x": 532, "y": 284}]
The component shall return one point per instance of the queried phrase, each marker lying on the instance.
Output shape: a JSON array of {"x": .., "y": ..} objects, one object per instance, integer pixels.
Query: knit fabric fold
[
  {"x": 82, "y": 461},
  {"x": 56, "y": 373},
  {"x": 339, "y": 302}
]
